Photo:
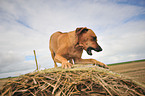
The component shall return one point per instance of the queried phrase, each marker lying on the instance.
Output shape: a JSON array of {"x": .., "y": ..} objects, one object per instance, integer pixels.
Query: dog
[{"x": 69, "y": 46}]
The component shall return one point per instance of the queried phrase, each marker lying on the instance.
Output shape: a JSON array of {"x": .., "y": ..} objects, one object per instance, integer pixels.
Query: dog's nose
[{"x": 98, "y": 49}]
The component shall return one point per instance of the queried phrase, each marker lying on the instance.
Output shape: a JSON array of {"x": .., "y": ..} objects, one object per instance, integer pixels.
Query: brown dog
[{"x": 69, "y": 46}]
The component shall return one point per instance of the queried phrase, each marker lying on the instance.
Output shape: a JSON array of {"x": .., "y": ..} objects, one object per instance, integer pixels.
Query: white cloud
[{"x": 27, "y": 25}]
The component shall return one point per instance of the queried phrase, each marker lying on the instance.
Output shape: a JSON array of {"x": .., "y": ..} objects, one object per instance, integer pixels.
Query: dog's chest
[{"x": 73, "y": 53}]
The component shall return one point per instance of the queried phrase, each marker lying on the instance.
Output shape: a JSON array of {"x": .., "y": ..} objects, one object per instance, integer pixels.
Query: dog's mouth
[{"x": 89, "y": 50}]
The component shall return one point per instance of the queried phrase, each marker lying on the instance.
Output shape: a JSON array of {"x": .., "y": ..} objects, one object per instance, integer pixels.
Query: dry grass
[{"x": 81, "y": 80}]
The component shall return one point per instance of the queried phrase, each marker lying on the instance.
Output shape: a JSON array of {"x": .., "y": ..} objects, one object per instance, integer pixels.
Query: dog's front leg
[
  {"x": 90, "y": 61},
  {"x": 60, "y": 59}
]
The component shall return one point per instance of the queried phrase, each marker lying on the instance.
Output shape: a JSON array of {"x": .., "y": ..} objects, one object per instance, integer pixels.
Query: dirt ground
[
  {"x": 3, "y": 81},
  {"x": 135, "y": 70}
]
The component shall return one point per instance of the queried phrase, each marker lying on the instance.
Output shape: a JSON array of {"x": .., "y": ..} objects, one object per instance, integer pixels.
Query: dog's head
[{"x": 87, "y": 40}]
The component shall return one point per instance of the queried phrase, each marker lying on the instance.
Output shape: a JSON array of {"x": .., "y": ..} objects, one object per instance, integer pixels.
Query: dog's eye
[{"x": 95, "y": 38}]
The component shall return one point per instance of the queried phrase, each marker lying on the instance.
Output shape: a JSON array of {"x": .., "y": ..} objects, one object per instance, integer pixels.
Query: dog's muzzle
[{"x": 89, "y": 50}]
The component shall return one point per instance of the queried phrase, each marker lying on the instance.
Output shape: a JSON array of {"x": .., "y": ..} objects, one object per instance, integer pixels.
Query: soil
[
  {"x": 134, "y": 70},
  {"x": 4, "y": 80}
]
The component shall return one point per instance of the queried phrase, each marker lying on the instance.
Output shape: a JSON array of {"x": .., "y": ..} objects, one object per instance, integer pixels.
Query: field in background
[
  {"x": 126, "y": 62},
  {"x": 133, "y": 69}
]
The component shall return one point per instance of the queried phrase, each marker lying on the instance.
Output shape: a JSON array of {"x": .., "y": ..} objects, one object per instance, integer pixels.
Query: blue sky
[{"x": 27, "y": 25}]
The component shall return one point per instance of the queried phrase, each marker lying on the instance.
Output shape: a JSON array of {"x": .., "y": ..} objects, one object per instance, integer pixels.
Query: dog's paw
[
  {"x": 104, "y": 66},
  {"x": 66, "y": 65},
  {"x": 100, "y": 64}
]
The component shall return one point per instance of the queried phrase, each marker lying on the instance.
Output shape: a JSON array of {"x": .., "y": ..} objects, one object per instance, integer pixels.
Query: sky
[{"x": 26, "y": 25}]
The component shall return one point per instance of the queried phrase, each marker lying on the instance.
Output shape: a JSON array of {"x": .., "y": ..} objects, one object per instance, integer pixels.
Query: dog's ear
[{"x": 81, "y": 30}]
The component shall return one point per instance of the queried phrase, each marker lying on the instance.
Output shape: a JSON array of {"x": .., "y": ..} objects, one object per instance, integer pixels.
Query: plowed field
[{"x": 135, "y": 70}]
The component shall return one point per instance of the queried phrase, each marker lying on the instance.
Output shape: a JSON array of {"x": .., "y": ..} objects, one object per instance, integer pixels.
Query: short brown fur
[{"x": 69, "y": 46}]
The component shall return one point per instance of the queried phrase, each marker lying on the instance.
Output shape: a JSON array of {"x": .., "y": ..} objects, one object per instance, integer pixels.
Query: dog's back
[{"x": 57, "y": 39}]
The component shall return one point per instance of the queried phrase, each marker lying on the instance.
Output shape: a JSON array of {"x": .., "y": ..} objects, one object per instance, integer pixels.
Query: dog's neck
[{"x": 74, "y": 40}]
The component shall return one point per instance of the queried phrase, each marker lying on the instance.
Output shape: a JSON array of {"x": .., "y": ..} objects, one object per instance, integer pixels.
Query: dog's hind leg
[{"x": 52, "y": 55}]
